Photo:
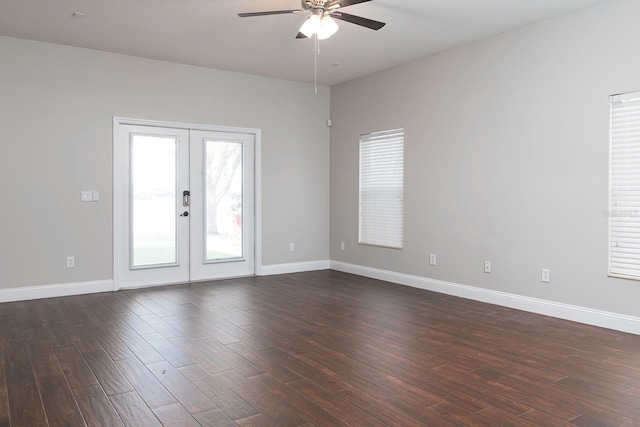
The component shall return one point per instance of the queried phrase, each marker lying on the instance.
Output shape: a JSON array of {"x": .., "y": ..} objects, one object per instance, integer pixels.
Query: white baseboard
[
  {"x": 296, "y": 267},
  {"x": 605, "y": 319},
  {"x": 52, "y": 291},
  {"x": 79, "y": 288},
  {"x": 589, "y": 316}
]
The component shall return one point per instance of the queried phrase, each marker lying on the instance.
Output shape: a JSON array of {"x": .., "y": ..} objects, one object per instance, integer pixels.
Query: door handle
[{"x": 185, "y": 198}]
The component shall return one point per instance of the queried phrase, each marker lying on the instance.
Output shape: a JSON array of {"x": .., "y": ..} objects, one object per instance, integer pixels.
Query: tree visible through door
[{"x": 223, "y": 190}]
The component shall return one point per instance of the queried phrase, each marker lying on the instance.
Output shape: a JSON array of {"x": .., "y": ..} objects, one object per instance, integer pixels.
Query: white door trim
[{"x": 118, "y": 209}]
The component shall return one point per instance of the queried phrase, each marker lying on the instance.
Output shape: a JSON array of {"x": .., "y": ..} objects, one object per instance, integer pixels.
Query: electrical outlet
[
  {"x": 342, "y": 246},
  {"x": 71, "y": 261},
  {"x": 487, "y": 266},
  {"x": 432, "y": 259},
  {"x": 546, "y": 275},
  {"x": 292, "y": 247}
]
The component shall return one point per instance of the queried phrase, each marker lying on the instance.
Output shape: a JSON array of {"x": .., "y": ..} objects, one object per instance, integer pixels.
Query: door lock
[{"x": 185, "y": 213}]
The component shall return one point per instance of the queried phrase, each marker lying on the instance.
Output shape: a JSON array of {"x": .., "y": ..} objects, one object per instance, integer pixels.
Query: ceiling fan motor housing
[
  {"x": 318, "y": 4},
  {"x": 309, "y": 4}
]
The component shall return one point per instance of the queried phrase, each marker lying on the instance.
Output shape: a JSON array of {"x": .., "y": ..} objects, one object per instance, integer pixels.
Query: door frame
[{"x": 118, "y": 209}]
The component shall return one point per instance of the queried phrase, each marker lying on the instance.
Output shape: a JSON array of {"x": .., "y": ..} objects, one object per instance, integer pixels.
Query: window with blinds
[
  {"x": 381, "y": 219},
  {"x": 624, "y": 186}
]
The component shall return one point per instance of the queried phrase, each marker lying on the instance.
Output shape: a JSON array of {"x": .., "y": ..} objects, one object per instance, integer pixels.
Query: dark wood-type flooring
[{"x": 310, "y": 349}]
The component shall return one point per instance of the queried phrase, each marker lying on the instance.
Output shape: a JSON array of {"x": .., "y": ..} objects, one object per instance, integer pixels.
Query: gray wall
[
  {"x": 57, "y": 106},
  {"x": 506, "y": 158}
]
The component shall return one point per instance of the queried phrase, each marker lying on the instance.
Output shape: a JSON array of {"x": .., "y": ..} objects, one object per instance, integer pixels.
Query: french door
[{"x": 183, "y": 205}]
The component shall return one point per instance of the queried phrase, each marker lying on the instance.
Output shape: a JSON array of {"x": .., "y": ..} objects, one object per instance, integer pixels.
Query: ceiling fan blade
[
  {"x": 301, "y": 36},
  {"x": 334, "y": 4},
  {"x": 358, "y": 20},
  {"x": 270, "y": 12}
]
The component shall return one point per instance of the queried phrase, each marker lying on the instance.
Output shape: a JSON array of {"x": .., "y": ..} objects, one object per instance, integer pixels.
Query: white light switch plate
[{"x": 89, "y": 196}]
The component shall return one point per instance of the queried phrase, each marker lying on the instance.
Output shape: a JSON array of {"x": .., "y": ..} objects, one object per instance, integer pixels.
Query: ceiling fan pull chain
[{"x": 316, "y": 49}]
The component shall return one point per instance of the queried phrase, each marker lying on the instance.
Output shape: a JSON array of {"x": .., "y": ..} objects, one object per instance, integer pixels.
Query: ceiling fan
[{"x": 323, "y": 12}]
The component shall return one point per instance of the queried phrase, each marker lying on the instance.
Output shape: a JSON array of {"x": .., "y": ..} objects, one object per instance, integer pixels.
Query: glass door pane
[
  {"x": 153, "y": 201},
  {"x": 223, "y": 195}
]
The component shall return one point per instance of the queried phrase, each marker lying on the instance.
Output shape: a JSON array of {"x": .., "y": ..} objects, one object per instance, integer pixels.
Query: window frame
[
  {"x": 624, "y": 200},
  {"x": 381, "y": 170}
]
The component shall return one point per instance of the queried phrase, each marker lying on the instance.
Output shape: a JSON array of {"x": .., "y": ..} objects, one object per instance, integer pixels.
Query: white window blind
[
  {"x": 381, "y": 219},
  {"x": 624, "y": 186}
]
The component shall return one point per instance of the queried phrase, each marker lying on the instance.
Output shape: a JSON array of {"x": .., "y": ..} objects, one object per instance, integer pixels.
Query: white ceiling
[{"x": 209, "y": 33}]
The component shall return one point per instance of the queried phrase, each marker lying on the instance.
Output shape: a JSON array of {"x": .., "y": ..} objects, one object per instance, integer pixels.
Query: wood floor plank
[
  {"x": 309, "y": 410},
  {"x": 262, "y": 399},
  {"x": 59, "y": 404},
  {"x": 242, "y": 335},
  {"x": 16, "y": 357},
  {"x": 215, "y": 417},
  {"x": 25, "y": 404},
  {"x": 194, "y": 328},
  {"x": 133, "y": 411},
  {"x": 325, "y": 378},
  {"x": 111, "y": 343},
  {"x": 288, "y": 341},
  {"x": 422, "y": 413},
  {"x": 353, "y": 372},
  {"x": 256, "y": 421},
  {"x": 168, "y": 350},
  {"x": 468, "y": 391},
  {"x": 142, "y": 349},
  {"x": 503, "y": 418},
  {"x": 145, "y": 383},
  {"x": 162, "y": 327},
  {"x": 133, "y": 321},
  {"x": 560, "y": 405},
  {"x": 201, "y": 356},
  {"x": 279, "y": 371},
  {"x": 58, "y": 334},
  {"x": 75, "y": 367},
  {"x": 451, "y": 412},
  {"x": 231, "y": 358},
  {"x": 4, "y": 397},
  {"x": 84, "y": 339},
  {"x": 96, "y": 407},
  {"x": 47, "y": 312},
  {"x": 131, "y": 304},
  {"x": 175, "y": 415},
  {"x": 231, "y": 403},
  {"x": 216, "y": 333},
  {"x": 238, "y": 317},
  {"x": 383, "y": 411},
  {"x": 340, "y": 408},
  {"x": 107, "y": 373},
  {"x": 542, "y": 419},
  {"x": 143, "y": 305},
  {"x": 591, "y": 421},
  {"x": 185, "y": 392},
  {"x": 72, "y": 315}
]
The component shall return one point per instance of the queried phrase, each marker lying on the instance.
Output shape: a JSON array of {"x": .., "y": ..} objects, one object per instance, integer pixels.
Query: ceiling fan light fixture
[
  {"x": 328, "y": 27},
  {"x": 311, "y": 25}
]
